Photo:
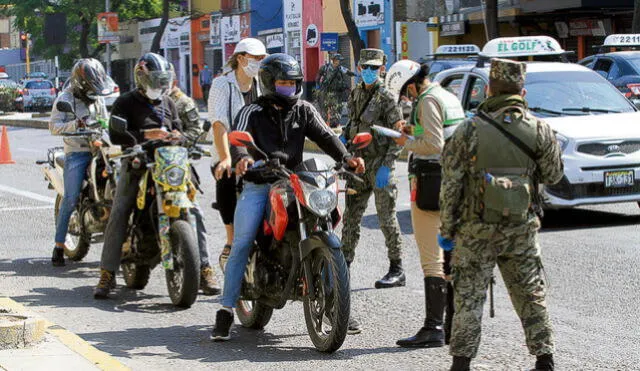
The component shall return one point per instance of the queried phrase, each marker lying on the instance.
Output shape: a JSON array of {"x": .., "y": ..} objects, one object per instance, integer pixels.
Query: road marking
[
  {"x": 27, "y": 194},
  {"x": 100, "y": 359},
  {"x": 26, "y": 208}
]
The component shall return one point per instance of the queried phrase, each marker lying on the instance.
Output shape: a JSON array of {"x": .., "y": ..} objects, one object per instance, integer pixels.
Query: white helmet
[{"x": 398, "y": 75}]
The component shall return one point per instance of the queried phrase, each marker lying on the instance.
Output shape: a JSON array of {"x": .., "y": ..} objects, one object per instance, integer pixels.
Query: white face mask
[
  {"x": 153, "y": 94},
  {"x": 252, "y": 68}
]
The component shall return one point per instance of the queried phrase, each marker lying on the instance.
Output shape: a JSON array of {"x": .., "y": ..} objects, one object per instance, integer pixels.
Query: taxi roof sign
[
  {"x": 465, "y": 49},
  {"x": 619, "y": 40},
  {"x": 523, "y": 46}
]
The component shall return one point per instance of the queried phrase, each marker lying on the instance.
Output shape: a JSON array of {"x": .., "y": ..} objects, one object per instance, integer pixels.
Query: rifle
[{"x": 492, "y": 282}]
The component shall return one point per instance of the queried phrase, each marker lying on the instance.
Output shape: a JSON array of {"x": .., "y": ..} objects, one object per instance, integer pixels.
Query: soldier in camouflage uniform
[
  {"x": 371, "y": 104},
  {"x": 491, "y": 170},
  {"x": 333, "y": 80},
  {"x": 188, "y": 113}
]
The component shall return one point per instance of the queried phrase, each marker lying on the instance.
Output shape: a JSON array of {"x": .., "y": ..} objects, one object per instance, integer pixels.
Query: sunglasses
[{"x": 370, "y": 67}]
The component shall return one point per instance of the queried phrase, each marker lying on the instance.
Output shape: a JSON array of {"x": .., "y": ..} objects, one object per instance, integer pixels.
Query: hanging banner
[
  {"x": 312, "y": 35},
  {"x": 369, "y": 12},
  {"x": 245, "y": 25},
  {"x": 214, "y": 30},
  {"x": 108, "y": 28},
  {"x": 230, "y": 29}
]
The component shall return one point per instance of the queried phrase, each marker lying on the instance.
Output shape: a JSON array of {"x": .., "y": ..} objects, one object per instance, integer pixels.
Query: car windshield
[
  {"x": 563, "y": 93},
  {"x": 445, "y": 64},
  {"x": 39, "y": 85}
]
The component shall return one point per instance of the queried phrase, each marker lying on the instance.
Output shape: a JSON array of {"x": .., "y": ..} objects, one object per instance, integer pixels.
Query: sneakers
[
  {"x": 224, "y": 256},
  {"x": 208, "y": 282},
  {"x": 221, "y": 331},
  {"x": 57, "y": 259},
  {"x": 105, "y": 285},
  {"x": 354, "y": 327},
  {"x": 394, "y": 278}
]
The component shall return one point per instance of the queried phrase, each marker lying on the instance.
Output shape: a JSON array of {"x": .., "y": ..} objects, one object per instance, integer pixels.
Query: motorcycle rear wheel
[
  {"x": 136, "y": 276},
  {"x": 253, "y": 314},
  {"x": 76, "y": 244},
  {"x": 183, "y": 280},
  {"x": 327, "y": 317}
]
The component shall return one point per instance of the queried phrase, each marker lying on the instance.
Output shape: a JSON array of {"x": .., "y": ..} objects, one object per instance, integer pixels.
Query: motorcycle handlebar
[{"x": 82, "y": 133}]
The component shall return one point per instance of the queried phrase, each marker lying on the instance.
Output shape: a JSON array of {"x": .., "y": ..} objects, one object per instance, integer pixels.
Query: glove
[
  {"x": 382, "y": 177},
  {"x": 445, "y": 243},
  {"x": 343, "y": 139}
]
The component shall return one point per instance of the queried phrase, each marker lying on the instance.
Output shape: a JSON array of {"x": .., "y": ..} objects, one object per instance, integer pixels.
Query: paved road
[{"x": 591, "y": 258}]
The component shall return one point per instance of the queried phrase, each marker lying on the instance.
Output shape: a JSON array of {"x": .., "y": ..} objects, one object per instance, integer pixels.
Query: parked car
[
  {"x": 3, "y": 76},
  {"x": 621, "y": 68},
  {"x": 450, "y": 56},
  {"x": 596, "y": 127},
  {"x": 38, "y": 94},
  {"x": 109, "y": 99}
]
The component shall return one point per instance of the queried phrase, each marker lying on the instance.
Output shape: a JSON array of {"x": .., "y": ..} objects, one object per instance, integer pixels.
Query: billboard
[{"x": 108, "y": 28}]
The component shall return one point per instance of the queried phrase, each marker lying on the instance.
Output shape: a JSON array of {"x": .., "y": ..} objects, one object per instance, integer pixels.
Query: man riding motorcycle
[
  {"x": 151, "y": 115},
  {"x": 87, "y": 86},
  {"x": 279, "y": 123}
]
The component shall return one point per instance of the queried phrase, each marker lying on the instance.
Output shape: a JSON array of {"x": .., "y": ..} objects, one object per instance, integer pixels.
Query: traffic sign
[{"x": 329, "y": 42}]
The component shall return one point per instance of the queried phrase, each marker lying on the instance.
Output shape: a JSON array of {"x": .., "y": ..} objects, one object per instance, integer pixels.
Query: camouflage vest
[
  {"x": 367, "y": 111},
  {"x": 507, "y": 189}
]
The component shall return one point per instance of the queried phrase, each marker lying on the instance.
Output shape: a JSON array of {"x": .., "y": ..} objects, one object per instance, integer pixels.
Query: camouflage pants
[
  {"x": 518, "y": 258},
  {"x": 386, "y": 208}
]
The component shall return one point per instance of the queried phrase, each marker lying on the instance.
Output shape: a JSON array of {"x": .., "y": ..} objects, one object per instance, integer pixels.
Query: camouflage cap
[
  {"x": 506, "y": 76},
  {"x": 337, "y": 56},
  {"x": 372, "y": 57}
]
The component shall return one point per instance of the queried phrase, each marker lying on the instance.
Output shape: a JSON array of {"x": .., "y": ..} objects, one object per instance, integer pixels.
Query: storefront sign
[
  {"x": 312, "y": 35},
  {"x": 413, "y": 40},
  {"x": 586, "y": 28},
  {"x": 245, "y": 25},
  {"x": 230, "y": 29},
  {"x": 369, "y": 12},
  {"x": 453, "y": 29},
  {"x": 329, "y": 42},
  {"x": 214, "y": 31},
  {"x": 275, "y": 41},
  {"x": 108, "y": 28},
  {"x": 176, "y": 35},
  {"x": 404, "y": 36},
  {"x": 292, "y": 15}
]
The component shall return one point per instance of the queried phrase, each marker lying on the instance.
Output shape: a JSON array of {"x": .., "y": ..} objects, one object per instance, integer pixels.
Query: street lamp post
[{"x": 107, "y": 8}]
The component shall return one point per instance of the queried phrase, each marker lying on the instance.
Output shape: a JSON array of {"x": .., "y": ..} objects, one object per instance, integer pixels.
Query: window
[
  {"x": 39, "y": 85},
  {"x": 453, "y": 84},
  {"x": 602, "y": 67},
  {"x": 588, "y": 62},
  {"x": 476, "y": 94},
  {"x": 614, "y": 72}
]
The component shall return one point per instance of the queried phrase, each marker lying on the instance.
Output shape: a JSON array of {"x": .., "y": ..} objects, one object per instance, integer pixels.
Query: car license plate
[{"x": 620, "y": 178}]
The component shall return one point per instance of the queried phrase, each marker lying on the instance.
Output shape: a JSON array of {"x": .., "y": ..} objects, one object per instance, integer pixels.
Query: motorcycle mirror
[
  {"x": 118, "y": 124},
  {"x": 63, "y": 106},
  {"x": 241, "y": 139},
  {"x": 206, "y": 126},
  {"x": 361, "y": 140}
]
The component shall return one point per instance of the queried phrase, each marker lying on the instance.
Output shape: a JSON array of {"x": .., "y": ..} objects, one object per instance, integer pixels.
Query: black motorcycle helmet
[
  {"x": 280, "y": 66},
  {"x": 89, "y": 79},
  {"x": 153, "y": 71}
]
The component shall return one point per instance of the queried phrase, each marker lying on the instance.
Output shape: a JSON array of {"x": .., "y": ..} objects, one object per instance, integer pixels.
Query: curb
[
  {"x": 20, "y": 330},
  {"x": 100, "y": 359},
  {"x": 33, "y": 124}
]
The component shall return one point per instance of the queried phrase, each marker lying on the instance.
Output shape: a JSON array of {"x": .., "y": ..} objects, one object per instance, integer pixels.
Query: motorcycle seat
[{"x": 60, "y": 160}]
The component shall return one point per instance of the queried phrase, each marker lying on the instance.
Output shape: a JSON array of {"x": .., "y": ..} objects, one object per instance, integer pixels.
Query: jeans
[
  {"x": 75, "y": 169},
  {"x": 248, "y": 218}
]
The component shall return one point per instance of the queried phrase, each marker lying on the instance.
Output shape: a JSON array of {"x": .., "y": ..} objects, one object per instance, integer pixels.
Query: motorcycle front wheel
[
  {"x": 76, "y": 243},
  {"x": 183, "y": 280},
  {"x": 327, "y": 316},
  {"x": 136, "y": 276},
  {"x": 253, "y": 314}
]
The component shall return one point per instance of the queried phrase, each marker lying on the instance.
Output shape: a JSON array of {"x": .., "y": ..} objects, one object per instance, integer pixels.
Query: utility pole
[
  {"x": 107, "y": 8},
  {"x": 27, "y": 53}
]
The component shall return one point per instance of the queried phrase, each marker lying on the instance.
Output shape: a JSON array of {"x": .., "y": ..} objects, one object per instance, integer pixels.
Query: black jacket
[
  {"x": 142, "y": 114},
  {"x": 285, "y": 131}
]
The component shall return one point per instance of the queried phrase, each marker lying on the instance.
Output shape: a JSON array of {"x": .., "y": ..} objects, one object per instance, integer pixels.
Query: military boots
[{"x": 394, "y": 278}]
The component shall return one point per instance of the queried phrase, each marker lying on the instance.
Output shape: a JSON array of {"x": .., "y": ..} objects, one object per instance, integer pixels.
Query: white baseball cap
[{"x": 250, "y": 46}]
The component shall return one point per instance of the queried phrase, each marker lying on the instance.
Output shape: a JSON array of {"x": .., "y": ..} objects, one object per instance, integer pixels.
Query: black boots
[
  {"x": 544, "y": 363},
  {"x": 448, "y": 319},
  {"x": 394, "y": 278},
  {"x": 57, "y": 258},
  {"x": 460, "y": 364},
  {"x": 431, "y": 335}
]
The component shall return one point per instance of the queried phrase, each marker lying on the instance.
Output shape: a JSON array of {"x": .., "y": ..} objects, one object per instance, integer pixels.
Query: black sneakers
[
  {"x": 57, "y": 259},
  {"x": 221, "y": 331}
]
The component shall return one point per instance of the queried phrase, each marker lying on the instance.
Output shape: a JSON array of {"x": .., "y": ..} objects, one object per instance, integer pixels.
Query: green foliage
[{"x": 82, "y": 37}]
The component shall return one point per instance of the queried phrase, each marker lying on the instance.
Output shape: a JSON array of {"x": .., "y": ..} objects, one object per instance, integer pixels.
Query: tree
[
  {"x": 635, "y": 24},
  {"x": 491, "y": 19},
  {"x": 155, "y": 45},
  {"x": 357, "y": 43}
]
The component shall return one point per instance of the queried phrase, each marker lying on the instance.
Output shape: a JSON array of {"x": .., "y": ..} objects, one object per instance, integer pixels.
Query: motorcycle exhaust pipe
[{"x": 54, "y": 179}]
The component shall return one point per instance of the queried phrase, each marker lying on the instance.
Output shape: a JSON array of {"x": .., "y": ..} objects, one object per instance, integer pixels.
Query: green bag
[{"x": 506, "y": 198}]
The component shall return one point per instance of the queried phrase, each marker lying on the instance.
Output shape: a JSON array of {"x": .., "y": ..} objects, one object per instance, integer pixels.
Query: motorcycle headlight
[
  {"x": 175, "y": 176},
  {"x": 323, "y": 201}
]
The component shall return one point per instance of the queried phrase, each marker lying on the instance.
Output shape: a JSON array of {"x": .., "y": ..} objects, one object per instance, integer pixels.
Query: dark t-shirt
[
  {"x": 142, "y": 114},
  {"x": 247, "y": 97}
]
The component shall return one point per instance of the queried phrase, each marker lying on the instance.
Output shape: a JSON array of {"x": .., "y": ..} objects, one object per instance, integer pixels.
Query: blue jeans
[
  {"x": 75, "y": 169},
  {"x": 248, "y": 218}
]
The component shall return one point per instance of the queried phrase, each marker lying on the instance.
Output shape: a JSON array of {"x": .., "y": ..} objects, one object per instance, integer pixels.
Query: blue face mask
[
  {"x": 369, "y": 76},
  {"x": 287, "y": 91}
]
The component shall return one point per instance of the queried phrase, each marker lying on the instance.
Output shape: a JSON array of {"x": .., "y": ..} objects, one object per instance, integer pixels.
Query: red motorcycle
[{"x": 297, "y": 254}]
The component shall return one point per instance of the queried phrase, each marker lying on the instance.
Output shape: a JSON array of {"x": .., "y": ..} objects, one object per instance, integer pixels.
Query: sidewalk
[{"x": 59, "y": 349}]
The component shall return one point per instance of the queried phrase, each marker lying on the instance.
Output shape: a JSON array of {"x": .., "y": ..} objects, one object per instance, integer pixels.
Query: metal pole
[
  {"x": 28, "y": 40},
  {"x": 107, "y": 6}
]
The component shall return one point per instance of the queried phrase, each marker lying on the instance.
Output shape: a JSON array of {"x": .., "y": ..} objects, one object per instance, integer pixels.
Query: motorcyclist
[
  {"x": 88, "y": 83},
  {"x": 151, "y": 115},
  {"x": 190, "y": 118},
  {"x": 279, "y": 122}
]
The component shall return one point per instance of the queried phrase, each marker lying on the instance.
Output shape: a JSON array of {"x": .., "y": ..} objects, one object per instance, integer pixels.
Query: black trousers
[{"x": 227, "y": 190}]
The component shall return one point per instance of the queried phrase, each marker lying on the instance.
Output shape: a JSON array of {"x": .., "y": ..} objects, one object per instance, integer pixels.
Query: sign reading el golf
[
  {"x": 622, "y": 40},
  {"x": 522, "y": 46}
]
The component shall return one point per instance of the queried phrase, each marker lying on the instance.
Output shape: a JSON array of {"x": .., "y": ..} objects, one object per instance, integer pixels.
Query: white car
[{"x": 597, "y": 128}]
